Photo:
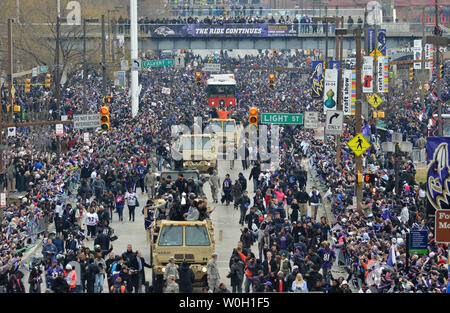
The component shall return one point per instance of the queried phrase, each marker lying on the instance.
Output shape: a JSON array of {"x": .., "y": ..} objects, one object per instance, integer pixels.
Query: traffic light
[
  {"x": 253, "y": 117},
  {"x": 27, "y": 85},
  {"x": 16, "y": 108},
  {"x": 48, "y": 79},
  {"x": 272, "y": 80},
  {"x": 104, "y": 118},
  {"x": 107, "y": 100},
  {"x": 441, "y": 70},
  {"x": 411, "y": 74},
  {"x": 378, "y": 114},
  {"x": 368, "y": 178},
  {"x": 198, "y": 78}
]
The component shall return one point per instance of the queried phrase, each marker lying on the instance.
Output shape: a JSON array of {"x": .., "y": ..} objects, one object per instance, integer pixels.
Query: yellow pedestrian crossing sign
[
  {"x": 359, "y": 144},
  {"x": 374, "y": 100}
]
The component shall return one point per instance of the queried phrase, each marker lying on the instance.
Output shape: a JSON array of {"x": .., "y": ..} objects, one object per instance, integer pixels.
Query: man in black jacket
[
  {"x": 243, "y": 203},
  {"x": 269, "y": 265},
  {"x": 60, "y": 285},
  {"x": 236, "y": 275},
  {"x": 180, "y": 184},
  {"x": 186, "y": 279},
  {"x": 256, "y": 170},
  {"x": 243, "y": 181},
  {"x": 302, "y": 198},
  {"x": 139, "y": 278},
  {"x": 91, "y": 271}
]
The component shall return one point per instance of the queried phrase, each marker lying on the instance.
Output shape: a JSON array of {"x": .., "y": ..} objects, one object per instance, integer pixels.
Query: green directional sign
[
  {"x": 43, "y": 69},
  {"x": 158, "y": 63},
  {"x": 281, "y": 118}
]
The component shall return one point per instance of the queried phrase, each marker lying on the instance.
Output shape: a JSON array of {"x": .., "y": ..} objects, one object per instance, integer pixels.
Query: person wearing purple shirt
[{"x": 328, "y": 256}]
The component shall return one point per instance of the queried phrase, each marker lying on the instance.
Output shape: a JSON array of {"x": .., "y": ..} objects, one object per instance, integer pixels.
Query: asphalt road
[{"x": 225, "y": 219}]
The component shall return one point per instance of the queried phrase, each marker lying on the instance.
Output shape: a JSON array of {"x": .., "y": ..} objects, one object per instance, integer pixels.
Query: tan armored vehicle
[
  {"x": 190, "y": 241},
  {"x": 198, "y": 151}
]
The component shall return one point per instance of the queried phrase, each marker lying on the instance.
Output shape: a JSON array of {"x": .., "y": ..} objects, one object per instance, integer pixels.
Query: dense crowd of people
[{"x": 78, "y": 186}]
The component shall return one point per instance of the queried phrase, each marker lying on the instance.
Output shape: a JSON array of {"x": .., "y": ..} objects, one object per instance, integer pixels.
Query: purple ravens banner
[
  {"x": 371, "y": 40},
  {"x": 317, "y": 79},
  {"x": 438, "y": 178},
  {"x": 224, "y": 31},
  {"x": 382, "y": 41}
]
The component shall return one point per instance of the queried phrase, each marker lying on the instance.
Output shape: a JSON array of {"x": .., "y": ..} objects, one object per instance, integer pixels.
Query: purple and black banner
[
  {"x": 438, "y": 174},
  {"x": 224, "y": 31},
  {"x": 317, "y": 78}
]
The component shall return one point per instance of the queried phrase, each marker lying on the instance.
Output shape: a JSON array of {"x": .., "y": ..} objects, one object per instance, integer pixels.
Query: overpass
[{"x": 246, "y": 36}]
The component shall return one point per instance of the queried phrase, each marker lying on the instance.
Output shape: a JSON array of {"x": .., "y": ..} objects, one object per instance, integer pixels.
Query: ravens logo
[
  {"x": 164, "y": 31},
  {"x": 438, "y": 178}
]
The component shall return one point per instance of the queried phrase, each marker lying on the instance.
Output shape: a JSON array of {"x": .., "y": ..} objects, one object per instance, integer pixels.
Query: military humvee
[
  {"x": 189, "y": 241},
  {"x": 198, "y": 151}
]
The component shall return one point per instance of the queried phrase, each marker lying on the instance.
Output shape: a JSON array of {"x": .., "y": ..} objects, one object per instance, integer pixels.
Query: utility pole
[
  {"x": 339, "y": 54},
  {"x": 58, "y": 34},
  {"x": 336, "y": 41},
  {"x": 358, "y": 119},
  {"x": 325, "y": 21},
  {"x": 10, "y": 70},
  {"x": 375, "y": 65},
  {"x": 422, "y": 71},
  {"x": 109, "y": 35},
  {"x": 366, "y": 32},
  {"x": 84, "y": 67},
  {"x": 326, "y": 43},
  {"x": 104, "y": 56},
  {"x": 438, "y": 32}
]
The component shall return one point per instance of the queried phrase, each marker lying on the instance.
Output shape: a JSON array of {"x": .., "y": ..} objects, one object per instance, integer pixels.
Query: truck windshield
[
  {"x": 171, "y": 236},
  {"x": 229, "y": 127},
  {"x": 221, "y": 90},
  {"x": 197, "y": 143},
  {"x": 219, "y": 125},
  {"x": 197, "y": 236}
]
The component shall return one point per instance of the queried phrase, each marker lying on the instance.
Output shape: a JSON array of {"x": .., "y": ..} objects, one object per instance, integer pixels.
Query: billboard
[
  {"x": 224, "y": 31},
  {"x": 438, "y": 178},
  {"x": 317, "y": 79}
]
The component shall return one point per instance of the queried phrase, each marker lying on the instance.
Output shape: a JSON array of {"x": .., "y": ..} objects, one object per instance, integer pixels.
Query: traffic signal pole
[
  {"x": 104, "y": 79},
  {"x": 58, "y": 35}
]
